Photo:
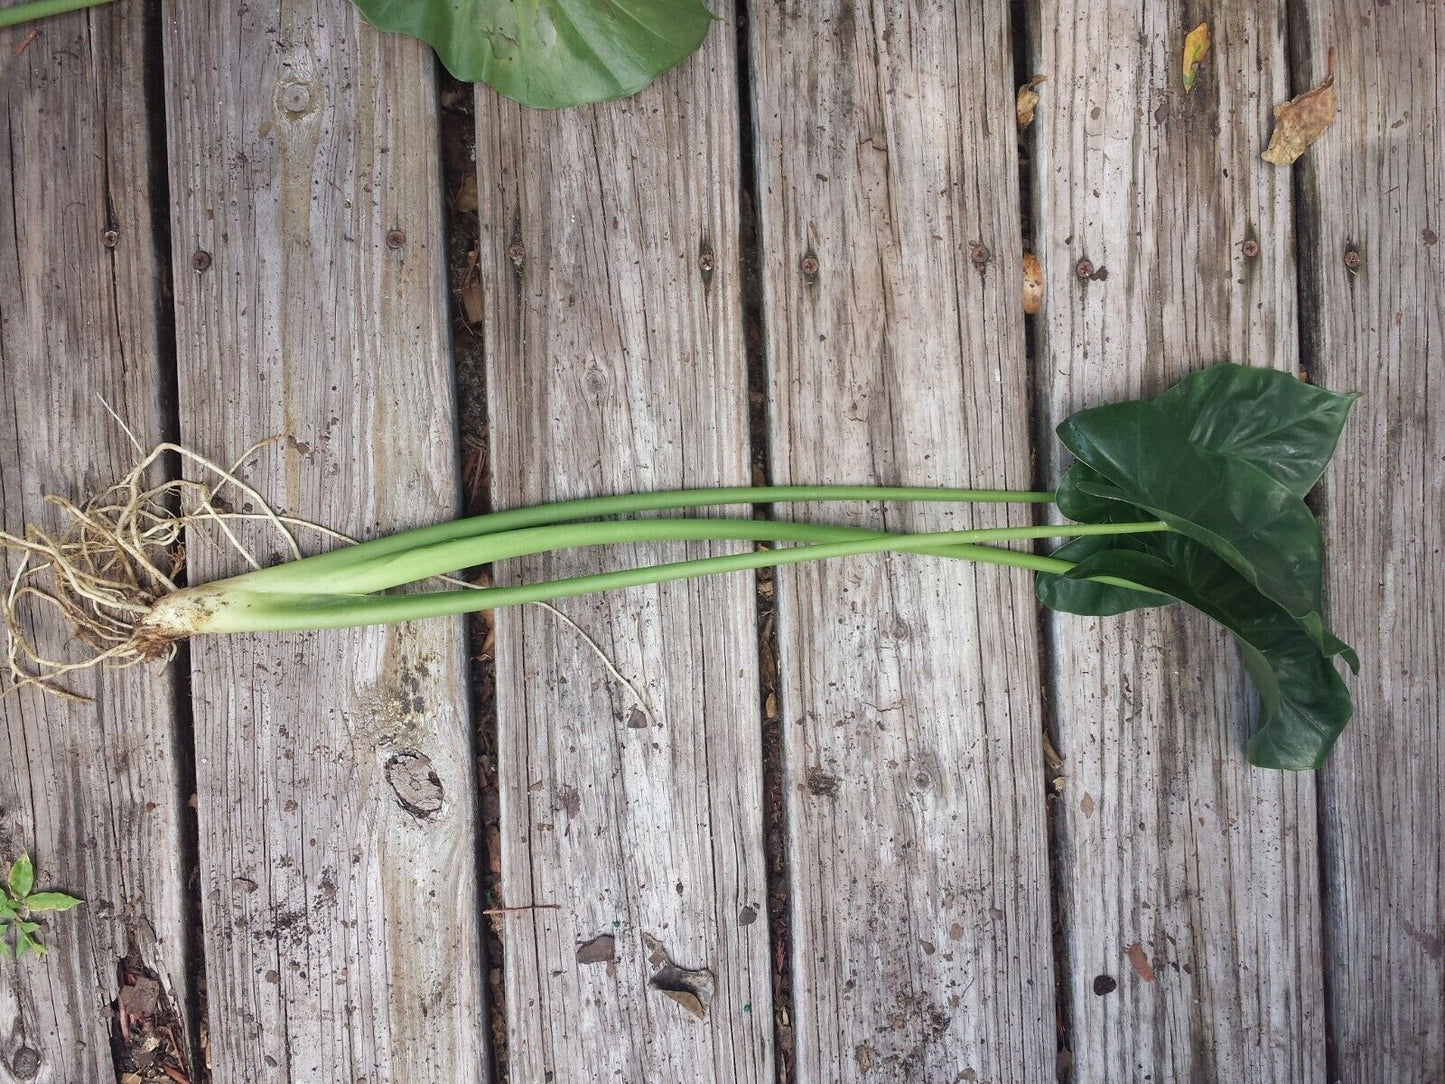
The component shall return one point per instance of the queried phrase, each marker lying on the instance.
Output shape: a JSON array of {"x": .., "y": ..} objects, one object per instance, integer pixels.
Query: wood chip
[
  {"x": 1140, "y": 962},
  {"x": 1299, "y": 122},
  {"x": 1028, "y": 98},
  {"x": 1033, "y": 284}
]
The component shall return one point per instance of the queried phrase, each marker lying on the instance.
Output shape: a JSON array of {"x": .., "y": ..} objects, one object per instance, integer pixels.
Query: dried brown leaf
[
  {"x": 1028, "y": 98},
  {"x": 1196, "y": 47},
  {"x": 1033, "y": 284},
  {"x": 1139, "y": 961},
  {"x": 1299, "y": 122}
]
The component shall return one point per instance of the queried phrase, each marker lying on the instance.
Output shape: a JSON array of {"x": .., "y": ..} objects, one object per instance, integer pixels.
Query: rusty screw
[
  {"x": 705, "y": 261},
  {"x": 980, "y": 256},
  {"x": 809, "y": 265},
  {"x": 516, "y": 252},
  {"x": 109, "y": 238},
  {"x": 1250, "y": 249},
  {"x": 201, "y": 261},
  {"x": 1084, "y": 269},
  {"x": 395, "y": 238},
  {"x": 1352, "y": 260}
]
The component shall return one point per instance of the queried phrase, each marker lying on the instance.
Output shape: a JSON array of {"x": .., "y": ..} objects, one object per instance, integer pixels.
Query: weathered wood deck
[{"x": 913, "y": 828}]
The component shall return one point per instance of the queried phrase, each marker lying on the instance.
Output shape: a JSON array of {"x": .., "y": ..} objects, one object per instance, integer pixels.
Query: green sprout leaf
[
  {"x": 22, "y": 878},
  {"x": 551, "y": 53},
  {"x": 50, "y": 901}
]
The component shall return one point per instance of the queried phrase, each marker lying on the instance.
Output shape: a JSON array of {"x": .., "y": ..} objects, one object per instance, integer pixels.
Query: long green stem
[
  {"x": 357, "y": 562},
  {"x": 41, "y": 9},
  {"x": 231, "y": 606},
  {"x": 423, "y": 562}
]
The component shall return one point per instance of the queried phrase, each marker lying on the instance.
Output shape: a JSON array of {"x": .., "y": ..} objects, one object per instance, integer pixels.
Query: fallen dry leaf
[
  {"x": 1196, "y": 46},
  {"x": 1140, "y": 962},
  {"x": 1086, "y": 803},
  {"x": 1028, "y": 98},
  {"x": 1299, "y": 122},
  {"x": 1033, "y": 284}
]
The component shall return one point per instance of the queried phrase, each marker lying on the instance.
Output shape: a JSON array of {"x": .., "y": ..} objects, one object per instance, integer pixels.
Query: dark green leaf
[
  {"x": 51, "y": 901},
  {"x": 1090, "y": 598},
  {"x": 1270, "y": 419},
  {"x": 552, "y": 53},
  {"x": 22, "y": 877},
  {"x": 1082, "y": 506},
  {"x": 1304, "y": 703},
  {"x": 1240, "y": 512}
]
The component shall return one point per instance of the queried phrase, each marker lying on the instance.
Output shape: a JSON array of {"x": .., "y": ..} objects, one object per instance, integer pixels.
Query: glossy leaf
[
  {"x": 551, "y": 53},
  {"x": 1236, "y": 509},
  {"x": 1089, "y": 598},
  {"x": 1283, "y": 426},
  {"x": 1304, "y": 703}
]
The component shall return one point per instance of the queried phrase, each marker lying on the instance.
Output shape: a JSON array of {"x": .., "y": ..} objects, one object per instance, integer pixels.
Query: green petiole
[{"x": 258, "y": 602}]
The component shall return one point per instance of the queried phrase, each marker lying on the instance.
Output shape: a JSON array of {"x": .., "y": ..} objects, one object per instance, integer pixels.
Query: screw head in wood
[
  {"x": 201, "y": 261},
  {"x": 809, "y": 265},
  {"x": 1084, "y": 269},
  {"x": 395, "y": 238},
  {"x": 980, "y": 256},
  {"x": 110, "y": 238},
  {"x": 1352, "y": 259},
  {"x": 1250, "y": 249}
]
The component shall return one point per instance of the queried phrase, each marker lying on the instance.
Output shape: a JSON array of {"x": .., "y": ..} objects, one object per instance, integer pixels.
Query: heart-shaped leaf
[
  {"x": 1145, "y": 454},
  {"x": 1283, "y": 426},
  {"x": 1304, "y": 703},
  {"x": 551, "y": 53}
]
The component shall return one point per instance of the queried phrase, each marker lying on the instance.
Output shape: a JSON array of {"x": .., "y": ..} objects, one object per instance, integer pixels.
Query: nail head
[{"x": 201, "y": 261}]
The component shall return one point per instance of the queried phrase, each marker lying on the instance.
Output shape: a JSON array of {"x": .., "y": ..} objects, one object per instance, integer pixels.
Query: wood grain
[
  {"x": 341, "y": 927},
  {"x": 1174, "y": 856},
  {"x": 1374, "y": 185},
  {"x": 610, "y": 267},
  {"x": 911, "y": 687},
  {"x": 91, "y": 791}
]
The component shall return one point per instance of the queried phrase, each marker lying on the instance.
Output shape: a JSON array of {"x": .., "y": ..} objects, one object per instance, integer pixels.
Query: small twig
[{"x": 525, "y": 907}]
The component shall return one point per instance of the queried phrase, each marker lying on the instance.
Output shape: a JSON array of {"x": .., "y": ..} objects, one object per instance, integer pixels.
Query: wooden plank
[
  {"x": 911, "y": 706},
  {"x": 1188, "y": 879},
  {"x": 610, "y": 263},
  {"x": 92, "y": 791},
  {"x": 1374, "y": 185},
  {"x": 341, "y": 931}
]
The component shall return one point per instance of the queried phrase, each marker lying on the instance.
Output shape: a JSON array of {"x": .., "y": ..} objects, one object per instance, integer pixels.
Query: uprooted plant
[{"x": 1195, "y": 496}]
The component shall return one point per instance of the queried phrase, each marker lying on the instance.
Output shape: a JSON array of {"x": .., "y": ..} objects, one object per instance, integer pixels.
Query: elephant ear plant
[{"x": 1196, "y": 496}]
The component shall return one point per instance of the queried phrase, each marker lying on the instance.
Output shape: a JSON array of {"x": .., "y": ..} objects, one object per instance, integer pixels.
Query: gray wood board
[
  {"x": 1374, "y": 185},
  {"x": 1188, "y": 879},
  {"x": 914, "y": 770},
  {"x": 92, "y": 791},
  {"x": 341, "y": 928},
  {"x": 610, "y": 270}
]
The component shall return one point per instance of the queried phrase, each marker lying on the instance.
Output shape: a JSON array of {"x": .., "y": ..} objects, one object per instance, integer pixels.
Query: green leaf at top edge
[
  {"x": 1304, "y": 703},
  {"x": 22, "y": 877},
  {"x": 551, "y": 53}
]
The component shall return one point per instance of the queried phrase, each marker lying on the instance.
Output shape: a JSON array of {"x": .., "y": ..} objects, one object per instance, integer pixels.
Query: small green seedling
[{"x": 19, "y": 905}]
